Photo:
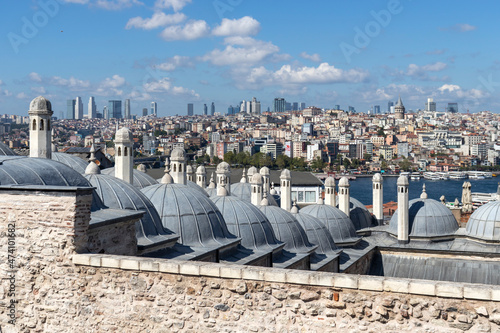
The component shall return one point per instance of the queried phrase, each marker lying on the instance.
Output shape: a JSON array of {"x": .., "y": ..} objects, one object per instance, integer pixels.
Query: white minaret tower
[
  {"x": 190, "y": 173},
  {"x": 330, "y": 192},
  {"x": 201, "y": 176},
  {"x": 178, "y": 166},
  {"x": 256, "y": 181},
  {"x": 40, "y": 113},
  {"x": 344, "y": 196},
  {"x": 403, "y": 210},
  {"x": 264, "y": 171},
  {"x": 378, "y": 198},
  {"x": 286, "y": 190},
  {"x": 124, "y": 157}
]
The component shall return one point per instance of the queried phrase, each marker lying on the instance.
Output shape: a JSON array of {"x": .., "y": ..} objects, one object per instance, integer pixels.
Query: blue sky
[{"x": 174, "y": 52}]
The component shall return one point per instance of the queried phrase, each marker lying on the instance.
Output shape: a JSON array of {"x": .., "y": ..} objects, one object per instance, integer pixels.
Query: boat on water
[
  {"x": 404, "y": 173},
  {"x": 415, "y": 176},
  {"x": 479, "y": 175},
  {"x": 457, "y": 175},
  {"x": 432, "y": 176}
]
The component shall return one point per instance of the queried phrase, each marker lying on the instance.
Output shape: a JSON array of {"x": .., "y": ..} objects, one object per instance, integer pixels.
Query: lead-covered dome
[
  {"x": 40, "y": 103},
  {"x": 223, "y": 167},
  {"x": 484, "y": 222},
  {"x": 359, "y": 214},
  {"x": 244, "y": 192},
  {"x": 316, "y": 232},
  {"x": 141, "y": 179},
  {"x": 178, "y": 154},
  {"x": 74, "y": 162},
  {"x": 6, "y": 151}
]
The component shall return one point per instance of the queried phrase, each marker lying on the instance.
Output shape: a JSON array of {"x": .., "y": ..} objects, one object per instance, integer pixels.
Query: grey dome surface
[
  {"x": 427, "y": 218},
  {"x": 20, "y": 170},
  {"x": 484, "y": 223},
  {"x": 244, "y": 192},
  {"x": 189, "y": 214},
  {"x": 317, "y": 233},
  {"x": 337, "y": 222},
  {"x": 359, "y": 215},
  {"x": 118, "y": 194},
  {"x": 196, "y": 187},
  {"x": 287, "y": 229},
  {"x": 40, "y": 103},
  {"x": 6, "y": 151},
  {"x": 247, "y": 221},
  {"x": 74, "y": 162},
  {"x": 141, "y": 179}
]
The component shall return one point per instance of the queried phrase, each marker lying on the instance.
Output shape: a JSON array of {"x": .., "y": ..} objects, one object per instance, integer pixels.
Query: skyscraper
[
  {"x": 212, "y": 109},
  {"x": 255, "y": 106},
  {"x": 92, "y": 108},
  {"x": 430, "y": 105},
  {"x": 302, "y": 106},
  {"x": 115, "y": 109},
  {"x": 452, "y": 107},
  {"x": 190, "y": 109},
  {"x": 205, "y": 109},
  {"x": 78, "y": 108},
  {"x": 70, "y": 109},
  {"x": 389, "y": 105},
  {"x": 154, "y": 108},
  {"x": 295, "y": 106},
  {"x": 127, "y": 109},
  {"x": 105, "y": 113},
  {"x": 144, "y": 112},
  {"x": 376, "y": 109},
  {"x": 279, "y": 105}
]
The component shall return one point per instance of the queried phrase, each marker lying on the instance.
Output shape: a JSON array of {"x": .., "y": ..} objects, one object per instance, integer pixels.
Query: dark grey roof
[
  {"x": 189, "y": 214},
  {"x": 246, "y": 221},
  {"x": 484, "y": 223},
  {"x": 427, "y": 218},
  {"x": 74, "y": 162},
  {"x": 118, "y": 194},
  {"x": 141, "y": 179},
  {"x": 288, "y": 230},
  {"x": 5, "y": 150},
  {"x": 359, "y": 215},
  {"x": 317, "y": 233},
  {"x": 340, "y": 226},
  {"x": 244, "y": 192},
  {"x": 299, "y": 178}
]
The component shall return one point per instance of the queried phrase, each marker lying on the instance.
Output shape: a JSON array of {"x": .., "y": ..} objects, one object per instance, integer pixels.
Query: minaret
[
  {"x": 256, "y": 196},
  {"x": 178, "y": 166},
  {"x": 330, "y": 192},
  {"x": 286, "y": 190},
  {"x": 190, "y": 173},
  {"x": 124, "y": 156},
  {"x": 40, "y": 113},
  {"x": 378, "y": 198},
  {"x": 403, "y": 210},
  {"x": 201, "y": 176},
  {"x": 344, "y": 196},
  {"x": 264, "y": 171}
]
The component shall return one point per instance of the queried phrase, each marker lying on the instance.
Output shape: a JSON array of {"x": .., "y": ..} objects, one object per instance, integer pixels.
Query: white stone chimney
[
  {"x": 223, "y": 172},
  {"x": 344, "y": 196},
  {"x": 286, "y": 190},
  {"x": 256, "y": 182},
  {"x": 201, "y": 176},
  {"x": 124, "y": 155},
  {"x": 178, "y": 166},
  {"x": 378, "y": 198},
  {"x": 330, "y": 192},
  {"x": 403, "y": 210},
  {"x": 190, "y": 173},
  {"x": 266, "y": 178},
  {"x": 40, "y": 113}
]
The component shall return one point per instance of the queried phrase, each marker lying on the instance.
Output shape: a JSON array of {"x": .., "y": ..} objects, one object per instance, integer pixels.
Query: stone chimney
[
  {"x": 330, "y": 198},
  {"x": 378, "y": 198},
  {"x": 40, "y": 113},
  {"x": 124, "y": 155},
  {"x": 286, "y": 190},
  {"x": 403, "y": 211},
  {"x": 344, "y": 196}
]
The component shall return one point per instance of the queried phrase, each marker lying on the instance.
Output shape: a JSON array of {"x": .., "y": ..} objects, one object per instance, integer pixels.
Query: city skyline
[{"x": 222, "y": 51}]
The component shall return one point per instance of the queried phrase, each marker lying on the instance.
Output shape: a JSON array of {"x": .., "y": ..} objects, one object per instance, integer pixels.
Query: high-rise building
[
  {"x": 154, "y": 108},
  {"x": 295, "y": 106},
  {"x": 302, "y": 106},
  {"x": 144, "y": 112},
  {"x": 205, "y": 109},
  {"x": 70, "y": 109},
  {"x": 389, "y": 105},
  {"x": 212, "y": 109},
  {"x": 352, "y": 109},
  {"x": 336, "y": 107},
  {"x": 430, "y": 105},
  {"x": 127, "y": 109},
  {"x": 92, "y": 108},
  {"x": 255, "y": 106},
  {"x": 288, "y": 106},
  {"x": 376, "y": 109},
  {"x": 279, "y": 105},
  {"x": 190, "y": 109},
  {"x": 115, "y": 109},
  {"x": 105, "y": 113},
  {"x": 399, "y": 109},
  {"x": 452, "y": 107},
  {"x": 78, "y": 108}
]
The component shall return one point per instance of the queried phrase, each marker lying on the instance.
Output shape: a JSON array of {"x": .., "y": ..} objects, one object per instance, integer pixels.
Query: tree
[
  {"x": 405, "y": 165},
  {"x": 367, "y": 157},
  {"x": 383, "y": 165},
  {"x": 283, "y": 162},
  {"x": 230, "y": 157},
  {"x": 216, "y": 160},
  {"x": 318, "y": 164},
  {"x": 243, "y": 158},
  {"x": 381, "y": 132},
  {"x": 298, "y": 163},
  {"x": 346, "y": 163}
]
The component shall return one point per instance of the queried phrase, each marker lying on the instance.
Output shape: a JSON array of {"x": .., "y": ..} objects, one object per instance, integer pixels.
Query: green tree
[
  {"x": 405, "y": 165},
  {"x": 318, "y": 164},
  {"x": 384, "y": 165},
  {"x": 283, "y": 162},
  {"x": 243, "y": 158},
  {"x": 230, "y": 157},
  {"x": 381, "y": 132},
  {"x": 216, "y": 160},
  {"x": 346, "y": 163},
  {"x": 367, "y": 157}
]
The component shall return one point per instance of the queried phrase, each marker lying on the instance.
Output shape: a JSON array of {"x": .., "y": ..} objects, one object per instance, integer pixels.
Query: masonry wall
[{"x": 58, "y": 290}]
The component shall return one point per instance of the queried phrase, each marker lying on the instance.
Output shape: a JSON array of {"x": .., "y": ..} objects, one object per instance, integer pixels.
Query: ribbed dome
[
  {"x": 141, "y": 179},
  {"x": 223, "y": 167},
  {"x": 359, "y": 214},
  {"x": 257, "y": 179},
  {"x": 285, "y": 174},
  {"x": 427, "y": 218},
  {"x": 483, "y": 223},
  {"x": 201, "y": 170},
  {"x": 118, "y": 194},
  {"x": 196, "y": 187},
  {"x": 123, "y": 135},
  {"x": 317, "y": 233},
  {"x": 264, "y": 171},
  {"x": 344, "y": 181},
  {"x": 287, "y": 229},
  {"x": 6, "y": 151},
  {"x": 330, "y": 182},
  {"x": 74, "y": 162},
  {"x": 189, "y": 214},
  {"x": 244, "y": 192},
  {"x": 340, "y": 226},
  {"x": 247, "y": 221},
  {"x": 40, "y": 103},
  {"x": 178, "y": 154},
  {"x": 377, "y": 177}
]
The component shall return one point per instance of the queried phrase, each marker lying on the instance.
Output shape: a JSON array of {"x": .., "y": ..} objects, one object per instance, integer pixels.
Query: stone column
[
  {"x": 201, "y": 176},
  {"x": 378, "y": 198},
  {"x": 286, "y": 190},
  {"x": 403, "y": 210},
  {"x": 40, "y": 113},
  {"x": 256, "y": 181},
  {"x": 124, "y": 156}
]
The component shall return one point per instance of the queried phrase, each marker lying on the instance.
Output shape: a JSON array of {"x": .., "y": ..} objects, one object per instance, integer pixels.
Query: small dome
[
  {"x": 483, "y": 223},
  {"x": 257, "y": 179},
  {"x": 92, "y": 169},
  {"x": 344, "y": 182},
  {"x": 74, "y": 162},
  {"x": 244, "y": 192},
  {"x": 123, "y": 135},
  {"x": 223, "y": 167},
  {"x": 427, "y": 218},
  {"x": 141, "y": 179},
  {"x": 377, "y": 177},
  {"x": 287, "y": 229},
  {"x": 264, "y": 171},
  {"x": 359, "y": 214},
  {"x": 285, "y": 174},
  {"x": 190, "y": 215},
  {"x": 251, "y": 171},
  {"x": 201, "y": 170},
  {"x": 141, "y": 167},
  {"x": 330, "y": 182},
  {"x": 248, "y": 222},
  {"x": 403, "y": 181},
  {"x": 40, "y": 104},
  {"x": 337, "y": 222},
  {"x": 189, "y": 169},
  {"x": 317, "y": 233},
  {"x": 178, "y": 154}
]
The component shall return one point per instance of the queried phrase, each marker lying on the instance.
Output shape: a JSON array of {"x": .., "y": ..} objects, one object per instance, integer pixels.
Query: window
[
  {"x": 294, "y": 196},
  {"x": 125, "y": 153},
  {"x": 34, "y": 124},
  {"x": 41, "y": 125},
  {"x": 310, "y": 196},
  {"x": 300, "y": 196},
  {"x": 119, "y": 151}
]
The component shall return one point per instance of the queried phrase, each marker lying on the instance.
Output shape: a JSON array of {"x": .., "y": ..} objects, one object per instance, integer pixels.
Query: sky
[{"x": 320, "y": 52}]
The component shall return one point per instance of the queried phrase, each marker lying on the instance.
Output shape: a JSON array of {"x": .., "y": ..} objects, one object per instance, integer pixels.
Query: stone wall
[{"x": 58, "y": 290}]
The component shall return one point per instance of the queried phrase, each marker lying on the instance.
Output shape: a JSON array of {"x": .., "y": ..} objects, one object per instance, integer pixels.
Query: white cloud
[
  {"x": 460, "y": 27},
  {"x": 449, "y": 87},
  {"x": 22, "y": 95},
  {"x": 175, "y": 62},
  {"x": 313, "y": 57},
  {"x": 456, "y": 90},
  {"x": 165, "y": 86},
  {"x": 422, "y": 72},
  {"x": 38, "y": 90},
  {"x": 252, "y": 52},
  {"x": 158, "y": 19},
  {"x": 106, "y": 4},
  {"x": 35, "y": 77},
  {"x": 191, "y": 30},
  {"x": 72, "y": 83},
  {"x": 176, "y": 5},
  {"x": 244, "y": 26},
  {"x": 115, "y": 81},
  {"x": 324, "y": 73},
  {"x": 140, "y": 96}
]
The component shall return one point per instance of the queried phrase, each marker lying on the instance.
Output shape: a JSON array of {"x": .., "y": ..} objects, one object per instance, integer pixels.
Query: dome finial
[
  {"x": 92, "y": 153},
  {"x": 294, "y": 209},
  {"x": 243, "y": 177},
  {"x": 424, "y": 194},
  {"x": 273, "y": 190},
  {"x": 212, "y": 182},
  {"x": 264, "y": 201}
]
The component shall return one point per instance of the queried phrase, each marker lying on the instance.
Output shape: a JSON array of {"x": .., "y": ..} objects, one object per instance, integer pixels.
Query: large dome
[
  {"x": 338, "y": 223},
  {"x": 6, "y": 151},
  {"x": 189, "y": 214},
  {"x": 141, "y": 179},
  {"x": 317, "y": 233},
  {"x": 483, "y": 223},
  {"x": 74, "y": 162},
  {"x": 246, "y": 221},
  {"x": 196, "y": 187},
  {"x": 427, "y": 218}
]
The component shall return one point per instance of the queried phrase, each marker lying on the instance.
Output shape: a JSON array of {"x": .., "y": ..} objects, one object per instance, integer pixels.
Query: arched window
[
  {"x": 175, "y": 167},
  {"x": 41, "y": 124},
  {"x": 48, "y": 124},
  {"x": 119, "y": 151},
  {"x": 180, "y": 167},
  {"x": 254, "y": 189},
  {"x": 125, "y": 152},
  {"x": 34, "y": 124}
]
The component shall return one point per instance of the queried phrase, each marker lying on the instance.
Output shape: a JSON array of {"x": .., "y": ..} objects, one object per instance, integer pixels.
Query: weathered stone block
[
  {"x": 169, "y": 266},
  {"x": 230, "y": 271},
  {"x": 81, "y": 259},
  {"x": 298, "y": 277},
  {"x": 190, "y": 268},
  {"x": 396, "y": 285},
  {"x": 252, "y": 273},
  {"x": 322, "y": 279},
  {"x": 131, "y": 264},
  {"x": 477, "y": 292},
  {"x": 110, "y": 261},
  {"x": 373, "y": 283},
  {"x": 422, "y": 287},
  {"x": 346, "y": 281},
  {"x": 148, "y": 265},
  {"x": 210, "y": 269},
  {"x": 449, "y": 290},
  {"x": 275, "y": 275}
]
